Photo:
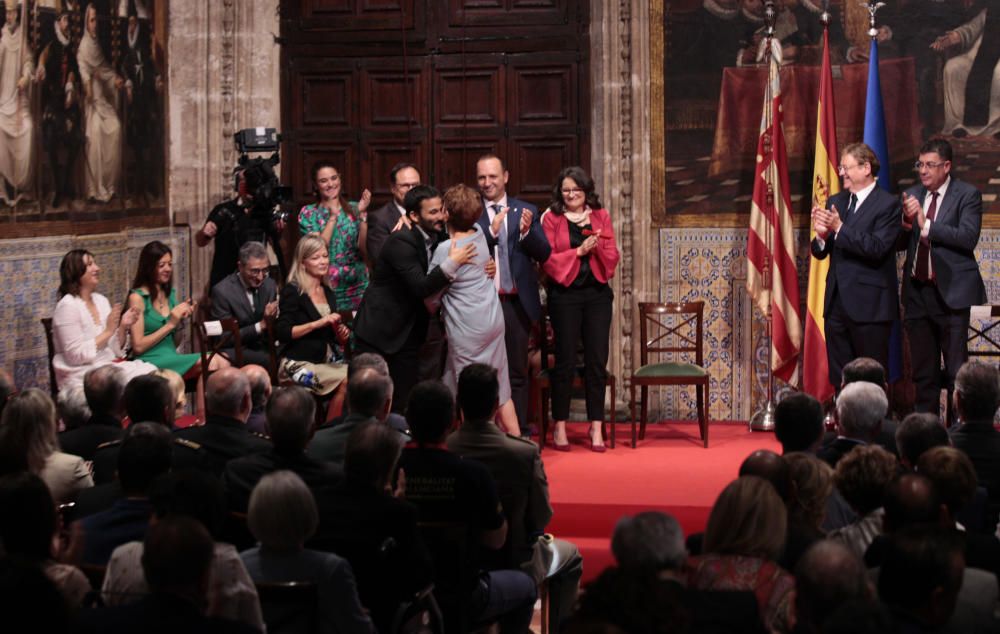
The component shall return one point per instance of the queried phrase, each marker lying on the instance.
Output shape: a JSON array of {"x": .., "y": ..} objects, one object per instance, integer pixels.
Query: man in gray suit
[
  {"x": 369, "y": 395},
  {"x": 941, "y": 279},
  {"x": 250, "y": 297}
]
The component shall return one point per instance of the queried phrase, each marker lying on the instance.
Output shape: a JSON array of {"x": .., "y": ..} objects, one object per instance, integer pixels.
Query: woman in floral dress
[{"x": 341, "y": 223}]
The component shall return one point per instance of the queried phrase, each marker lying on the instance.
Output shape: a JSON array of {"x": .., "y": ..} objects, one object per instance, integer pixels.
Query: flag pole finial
[
  {"x": 824, "y": 17},
  {"x": 872, "y": 6}
]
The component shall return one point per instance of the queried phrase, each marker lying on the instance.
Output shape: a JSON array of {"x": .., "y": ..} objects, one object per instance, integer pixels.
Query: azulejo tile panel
[{"x": 29, "y": 278}]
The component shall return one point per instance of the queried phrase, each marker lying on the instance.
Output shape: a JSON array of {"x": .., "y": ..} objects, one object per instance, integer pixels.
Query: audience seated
[
  {"x": 976, "y": 398},
  {"x": 861, "y": 406},
  {"x": 916, "y": 434},
  {"x": 71, "y": 408},
  {"x": 861, "y": 477},
  {"x": 28, "y": 524},
  {"x": 744, "y": 538},
  {"x": 871, "y": 371},
  {"x": 798, "y": 423},
  {"x": 260, "y": 392},
  {"x": 371, "y": 525},
  {"x": 447, "y": 488},
  {"x": 29, "y": 601},
  {"x": 177, "y": 564},
  {"x": 811, "y": 485},
  {"x": 178, "y": 389},
  {"x": 282, "y": 517},
  {"x": 103, "y": 387},
  {"x": 145, "y": 454},
  {"x": 769, "y": 466},
  {"x": 28, "y": 441},
  {"x": 198, "y": 495},
  {"x": 369, "y": 397},
  {"x": 517, "y": 469},
  {"x": 617, "y": 602},
  {"x": 827, "y": 576},
  {"x": 224, "y": 435},
  {"x": 374, "y": 361},
  {"x": 290, "y": 415}
]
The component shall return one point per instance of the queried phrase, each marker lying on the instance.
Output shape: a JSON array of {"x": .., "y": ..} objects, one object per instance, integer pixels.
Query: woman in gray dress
[{"x": 473, "y": 319}]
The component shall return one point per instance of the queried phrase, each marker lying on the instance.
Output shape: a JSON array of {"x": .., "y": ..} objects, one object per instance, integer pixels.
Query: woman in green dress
[{"x": 156, "y": 333}]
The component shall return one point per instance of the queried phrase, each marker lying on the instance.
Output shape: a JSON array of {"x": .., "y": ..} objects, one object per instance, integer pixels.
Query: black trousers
[
  {"x": 517, "y": 328},
  {"x": 934, "y": 331},
  {"x": 846, "y": 340},
  {"x": 403, "y": 366},
  {"x": 580, "y": 313}
]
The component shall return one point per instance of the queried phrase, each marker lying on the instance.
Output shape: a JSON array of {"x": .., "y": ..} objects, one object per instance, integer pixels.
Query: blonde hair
[
  {"x": 176, "y": 382},
  {"x": 747, "y": 519},
  {"x": 308, "y": 245},
  {"x": 29, "y": 426},
  {"x": 813, "y": 483},
  {"x": 282, "y": 514}
]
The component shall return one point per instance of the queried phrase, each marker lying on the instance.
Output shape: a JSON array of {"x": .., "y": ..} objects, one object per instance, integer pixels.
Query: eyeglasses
[
  {"x": 928, "y": 164},
  {"x": 843, "y": 168},
  {"x": 256, "y": 272},
  {"x": 574, "y": 190}
]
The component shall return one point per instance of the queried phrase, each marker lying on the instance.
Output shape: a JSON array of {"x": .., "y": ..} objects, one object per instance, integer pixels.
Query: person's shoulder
[{"x": 962, "y": 187}]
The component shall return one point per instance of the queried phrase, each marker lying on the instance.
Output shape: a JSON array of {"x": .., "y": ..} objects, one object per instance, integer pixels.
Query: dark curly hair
[{"x": 581, "y": 178}]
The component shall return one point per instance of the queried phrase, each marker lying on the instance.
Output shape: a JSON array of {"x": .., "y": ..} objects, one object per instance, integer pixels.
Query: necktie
[
  {"x": 255, "y": 297},
  {"x": 851, "y": 206},
  {"x": 922, "y": 270},
  {"x": 503, "y": 263}
]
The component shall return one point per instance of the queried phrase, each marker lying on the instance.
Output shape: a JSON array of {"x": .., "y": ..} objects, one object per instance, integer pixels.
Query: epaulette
[
  {"x": 521, "y": 439},
  {"x": 189, "y": 444},
  {"x": 110, "y": 443},
  {"x": 261, "y": 436}
]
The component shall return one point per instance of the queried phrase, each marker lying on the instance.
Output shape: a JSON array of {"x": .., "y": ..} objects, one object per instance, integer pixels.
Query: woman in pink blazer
[{"x": 583, "y": 260}]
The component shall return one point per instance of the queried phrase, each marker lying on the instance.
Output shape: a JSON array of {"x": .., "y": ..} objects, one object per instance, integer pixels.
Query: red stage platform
[{"x": 669, "y": 471}]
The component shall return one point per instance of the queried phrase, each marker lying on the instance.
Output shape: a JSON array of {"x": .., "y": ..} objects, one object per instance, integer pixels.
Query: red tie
[{"x": 923, "y": 269}]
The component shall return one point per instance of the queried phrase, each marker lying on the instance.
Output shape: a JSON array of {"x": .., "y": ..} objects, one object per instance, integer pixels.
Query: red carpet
[{"x": 669, "y": 471}]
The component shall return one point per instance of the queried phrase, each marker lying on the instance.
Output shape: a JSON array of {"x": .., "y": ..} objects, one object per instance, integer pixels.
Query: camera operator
[{"x": 235, "y": 222}]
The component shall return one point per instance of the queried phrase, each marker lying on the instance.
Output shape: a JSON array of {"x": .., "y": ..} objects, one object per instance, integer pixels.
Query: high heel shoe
[
  {"x": 601, "y": 448},
  {"x": 559, "y": 447}
]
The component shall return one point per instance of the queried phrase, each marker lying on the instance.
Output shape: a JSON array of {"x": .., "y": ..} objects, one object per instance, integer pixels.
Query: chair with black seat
[
  {"x": 289, "y": 607},
  {"x": 47, "y": 325},
  {"x": 419, "y": 615},
  {"x": 454, "y": 573},
  {"x": 674, "y": 329},
  {"x": 541, "y": 384}
]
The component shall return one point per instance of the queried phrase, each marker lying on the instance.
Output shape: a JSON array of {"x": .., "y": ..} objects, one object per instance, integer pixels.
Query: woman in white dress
[
  {"x": 87, "y": 332},
  {"x": 471, "y": 310},
  {"x": 103, "y": 130}
]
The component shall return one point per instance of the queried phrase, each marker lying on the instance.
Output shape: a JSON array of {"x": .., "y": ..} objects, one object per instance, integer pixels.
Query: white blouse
[{"x": 74, "y": 337}]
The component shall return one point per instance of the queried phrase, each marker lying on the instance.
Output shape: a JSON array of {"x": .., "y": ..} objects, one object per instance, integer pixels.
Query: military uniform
[{"x": 222, "y": 439}]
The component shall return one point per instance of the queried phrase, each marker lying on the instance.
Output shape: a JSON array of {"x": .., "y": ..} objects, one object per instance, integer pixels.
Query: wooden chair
[
  {"x": 47, "y": 325},
  {"x": 420, "y": 614},
  {"x": 541, "y": 384},
  {"x": 667, "y": 328},
  {"x": 209, "y": 346},
  {"x": 289, "y": 607}
]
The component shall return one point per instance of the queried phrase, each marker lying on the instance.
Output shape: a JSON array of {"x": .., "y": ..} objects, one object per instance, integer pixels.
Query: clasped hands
[
  {"x": 118, "y": 318},
  {"x": 589, "y": 244},
  {"x": 912, "y": 211},
  {"x": 825, "y": 221},
  {"x": 333, "y": 320}
]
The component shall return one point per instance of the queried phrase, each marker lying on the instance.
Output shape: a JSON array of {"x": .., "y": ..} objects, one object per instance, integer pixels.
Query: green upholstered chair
[{"x": 675, "y": 332}]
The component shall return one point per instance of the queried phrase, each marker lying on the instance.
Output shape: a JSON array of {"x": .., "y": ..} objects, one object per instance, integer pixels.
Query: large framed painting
[
  {"x": 82, "y": 116},
  {"x": 940, "y": 76}
]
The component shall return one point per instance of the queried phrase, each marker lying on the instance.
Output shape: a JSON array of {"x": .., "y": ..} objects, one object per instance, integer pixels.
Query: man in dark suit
[
  {"x": 976, "y": 398},
  {"x": 861, "y": 406},
  {"x": 858, "y": 232},
  {"x": 250, "y": 297},
  {"x": 517, "y": 468},
  {"x": 515, "y": 237},
  {"x": 369, "y": 396},
  {"x": 103, "y": 387},
  {"x": 391, "y": 217},
  {"x": 392, "y": 318},
  {"x": 941, "y": 279}
]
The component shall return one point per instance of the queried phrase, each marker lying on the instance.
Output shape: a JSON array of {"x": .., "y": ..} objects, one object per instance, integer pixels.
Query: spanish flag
[{"x": 826, "y": 183}]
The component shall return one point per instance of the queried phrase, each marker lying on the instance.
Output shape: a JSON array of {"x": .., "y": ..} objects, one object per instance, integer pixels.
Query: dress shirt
[
  {"x": 925, "y": 230},
  {"x": 861, "y": 196}
]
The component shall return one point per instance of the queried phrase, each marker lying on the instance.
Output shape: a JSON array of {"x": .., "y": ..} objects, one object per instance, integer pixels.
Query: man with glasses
[
  {"x": 858, "y": 231},
  {"x": 391, "y": 216},
  {"x": 250, "y": 297},
  {"x": 942, "y": 217}
]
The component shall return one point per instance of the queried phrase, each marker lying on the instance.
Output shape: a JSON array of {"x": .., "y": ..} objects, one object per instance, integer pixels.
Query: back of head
[
  {"x": 619, "y": 601},
  {"x": 648, "y": 542},
  {"x": 371, "y": 454},
  {"x": 367, "y": 360},
  {"x": 478, "y": 391},
  {"x": 464, "y": 206},
  {"x": 862, "y": 476},
  {"x": 827, "y": 575},
  {"x": 922, "y": 572},
  {"x": 861, "y": 406},
  {"x": 368, "y": 392},
  {"x": 863, "y": 369},
  {"x": 812, "y": 484},
  {"x": 769, "y": 466},
  {"x": 7, "y": 388},
  {"x": 145, "y": 454},
  {"x": 28, "y": 430},
  {"x": 282, "y": 513},
  {"x": 30, "y": 601},
  {"x": 176, "y": 555},
  {"x": 28, "y": 520},
  {"x": 260, "y": 384},
  {"x": 953, "y": 476},
  {"x": 71, "y": 403},
  {"x": 290, "y": 414},
  {"x": 227, "y": 393},
  {"x": 749, "y": 519},
  {"x": 918, "y": 433},
  {"x": 104, "y": 388},
  {"x": 911, "y": 500},
  {"x": 177, "y": 387},
  {"x": 430, "y": 411},
  {"x": 798, "y": 422},
  {"x": 192, "y": 493},
  {"x": 977, "y": 392},
  {"x": 148, "y": 398}
]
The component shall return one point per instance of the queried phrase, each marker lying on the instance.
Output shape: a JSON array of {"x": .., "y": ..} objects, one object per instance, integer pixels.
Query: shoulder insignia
[
  {"x": 190, "y": 444},
  {"x": 261, "y": 436},
  {"x": 520, "y": 439},
  {"x": 110, "y": 443}
]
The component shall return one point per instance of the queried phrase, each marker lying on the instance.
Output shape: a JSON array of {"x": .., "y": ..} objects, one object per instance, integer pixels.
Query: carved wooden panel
[
  {"x": 455, "y": 160},
  {"x": 357, "y": 15},
  {"x": 535, "y": 163},
  {"x": 327, "y": 99},
  {"x": 494, "y": 13},
  {"x": 542, "y": 93},
  {"x": 469, "y": 93},
  {"x": 379, "y": 156},
  {"x": 392, "y": 99}
]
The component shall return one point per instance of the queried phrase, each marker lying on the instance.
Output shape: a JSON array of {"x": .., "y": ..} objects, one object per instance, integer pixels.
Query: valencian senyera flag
[
  {"x": 826, "y": 183},
  {"x": 771, "y": 240}
]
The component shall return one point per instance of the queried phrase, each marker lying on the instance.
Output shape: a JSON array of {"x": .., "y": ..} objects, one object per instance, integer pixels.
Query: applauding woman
[
  {"x": 308, "y": 326},
  {"x": 87, "y": 331},
  {"x": 583, "y": 260},
  {"x": 341, "y": 224}
]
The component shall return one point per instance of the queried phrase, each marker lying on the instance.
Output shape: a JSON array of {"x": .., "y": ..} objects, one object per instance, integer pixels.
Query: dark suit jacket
[
  {"x": 83, "y": 441},
  {"x": 953, "y": 235},
  {"x": 981, "y": 442},
  {"x": 862, "y": 257},
  {"x": 393, "y": 306},
  {"x": 223, "y": 439},
  {"x": 832, "y": 452},
  {"x": 380, "y": 224},
  {"x": 522, "y": 254},
  {"x": 185, "y": 455},
  {"x": 243, "y": 474},
  {"x": 95, "y": 499},
  {"x": 158, "y": 614},
  {"x": 330, "y": 442},
  {"x": 295, "y": 309},
  {"x": 229, "y": 301}
]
